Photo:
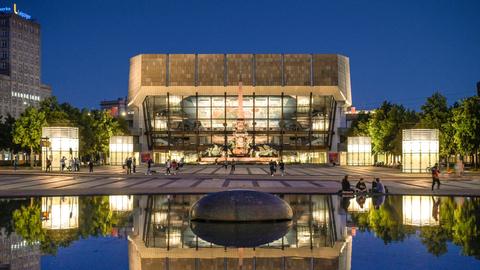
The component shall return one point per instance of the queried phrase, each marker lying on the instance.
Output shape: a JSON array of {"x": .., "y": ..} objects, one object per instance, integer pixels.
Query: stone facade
[{"x": 20, "y": 65}]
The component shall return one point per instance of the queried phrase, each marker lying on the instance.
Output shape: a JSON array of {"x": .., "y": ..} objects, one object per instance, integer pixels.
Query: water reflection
[
  {"x": 437, "y": 220},
  {"x": 161, "y": 234}
]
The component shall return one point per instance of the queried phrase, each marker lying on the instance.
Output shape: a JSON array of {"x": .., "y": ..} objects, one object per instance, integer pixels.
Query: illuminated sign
[{"x": 16, "y": 11}]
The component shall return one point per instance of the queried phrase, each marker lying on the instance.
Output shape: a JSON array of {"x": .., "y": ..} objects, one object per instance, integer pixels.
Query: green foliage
[
  {"x": 435, "y": 239},
  {"x": 28, "y": 224},
  {"x": 387, "y": 222},
  {"x": 6, "y": 130},
  {"x": 385, "y": 127},
  {"x": 7, "y": 207},
  {"x": 27, "y": 130},
  {"x": 359, "y": 126},
  {"x": 95, "y": 127},
  {"x": 96, "y": 216},
  {"x": 466, "y": 123},
  {"x": 459, "y": 223},
  {"x": 437, "y": 115},
  {"x": 466, "y": 230},
  {"x": 435, "y": 112}
]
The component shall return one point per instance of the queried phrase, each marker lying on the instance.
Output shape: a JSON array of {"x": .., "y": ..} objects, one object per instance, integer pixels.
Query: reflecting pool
[{"x": 155, "y": 232}]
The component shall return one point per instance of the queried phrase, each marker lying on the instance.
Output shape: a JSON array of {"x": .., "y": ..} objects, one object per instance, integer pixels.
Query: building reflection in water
[
  {"x": 59, "y": 213},
  {"x": 420, "y": 210},
  {"x": 120, "y": 203},
  {"x": 163, "y": 238}
]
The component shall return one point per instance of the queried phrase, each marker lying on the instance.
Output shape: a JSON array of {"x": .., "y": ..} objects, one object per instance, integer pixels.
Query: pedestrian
[
  {"x": 48, "y": 168},
  {"x": 225, "y": 165},
  {"x": 272, "y": 167},
  {"x": 129, "y": 166},
  {"x": 168, "y": 165},
  {"x": 15, "y": 162},
  {"x": 90, "y": 166},
  {"x": 134, "y": 164},
  {"x": 77, "y": 164},
  {"x": 180, "y": 164},
  {"x": 232, "y": 169},
  {"x": 174, "y": 166},
  {"x": 435, "y": 176},
  {"x": 149, "y": 166},
  {"x": 282, "y": 167},
  {"x": 62, "y": 163}
]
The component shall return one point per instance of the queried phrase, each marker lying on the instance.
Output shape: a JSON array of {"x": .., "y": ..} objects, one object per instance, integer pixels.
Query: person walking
[
  {"x": 62, "y": 163},
  {"x": 232, "y": 169},
  {"x": 174, "y": 167},
  {"x": 435, "y": 176},
  {"x": 168, "y": 165},
  {"x": 149, "y": 166},
  {"x": 134, "y": 164},
  {"x": 48, "y": 168},
  {"x": 90, "y": 166},
  {"x": 15, "y": 162},
  {"x": 129, "y": 166},
  {"x": 225, "y": 165},
  {"x": 272, "y": 167},
  {"x": 282, "y": 167}
]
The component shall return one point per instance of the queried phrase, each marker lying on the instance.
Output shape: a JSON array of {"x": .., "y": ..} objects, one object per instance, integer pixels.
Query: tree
[
  {"x": 96, "y": 216},
  {"x": 27, "y": 130},
  {"x": 104, "y": 126},
  {"x": 6, "y": 129},
  {"x": 466, "y": 122},
  {"x": 437, "y": 115},
  {"x": 27, "y": 223},
  {"x": 434, "y": 112},
  {"x": 386, "y": 125},
  {"x": 466, "y": 230},
  {"x": 359, "y": 126},
  {"x": 386, "y": 221},
  {"x": 435, "y": 239}
]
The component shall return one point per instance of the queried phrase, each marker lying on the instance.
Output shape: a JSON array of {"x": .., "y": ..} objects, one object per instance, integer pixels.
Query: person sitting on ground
[
  {"x": 374, "y": 185},
  {"x": 380, "y": 187},
  {"x": 361, "y": 186},
  {"x": 346, "y": 184}
]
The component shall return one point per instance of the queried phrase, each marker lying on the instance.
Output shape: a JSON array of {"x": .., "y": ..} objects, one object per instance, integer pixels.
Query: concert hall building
[{"x": 247, "y": 107}]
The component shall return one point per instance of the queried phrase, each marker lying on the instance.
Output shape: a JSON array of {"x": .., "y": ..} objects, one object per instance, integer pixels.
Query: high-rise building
[
  {"x": 247, "y": 107},
  {"x": 20, "y": 62}
]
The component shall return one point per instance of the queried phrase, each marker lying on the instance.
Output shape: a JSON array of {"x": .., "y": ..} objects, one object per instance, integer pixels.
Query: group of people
[
  {"x": 361, "y": 186},
  {"x": 130, "y": 165},
  {"x": 172, "y": 166},
  {"x": 73, "y": 164},
  {"x": 273, "y": 167}
]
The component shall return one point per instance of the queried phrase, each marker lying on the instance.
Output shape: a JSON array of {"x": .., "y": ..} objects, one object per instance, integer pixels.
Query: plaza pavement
[{"x": 211, "y": 178}]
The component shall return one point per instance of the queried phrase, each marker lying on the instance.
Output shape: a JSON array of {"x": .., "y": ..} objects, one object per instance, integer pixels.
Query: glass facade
[
  {"x": 420, "y": 150},
  {"x": 276, "y": 126},
  {"x": 359, "y": 151},
  {"x": 59, "y": 142},
  {"x": 192, "y": 106},
  {"x": 167, "y": 223}
]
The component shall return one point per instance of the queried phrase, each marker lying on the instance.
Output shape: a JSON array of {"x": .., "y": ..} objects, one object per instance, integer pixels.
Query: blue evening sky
[{"x": 399, "y": 50}]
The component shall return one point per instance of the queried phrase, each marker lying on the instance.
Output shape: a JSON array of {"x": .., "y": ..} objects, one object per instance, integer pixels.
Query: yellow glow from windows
[{"x": 420, "y": 149}]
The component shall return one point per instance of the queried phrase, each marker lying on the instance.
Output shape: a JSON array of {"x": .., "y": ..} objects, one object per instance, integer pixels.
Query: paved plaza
[{"x": 203, "y": 178}]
